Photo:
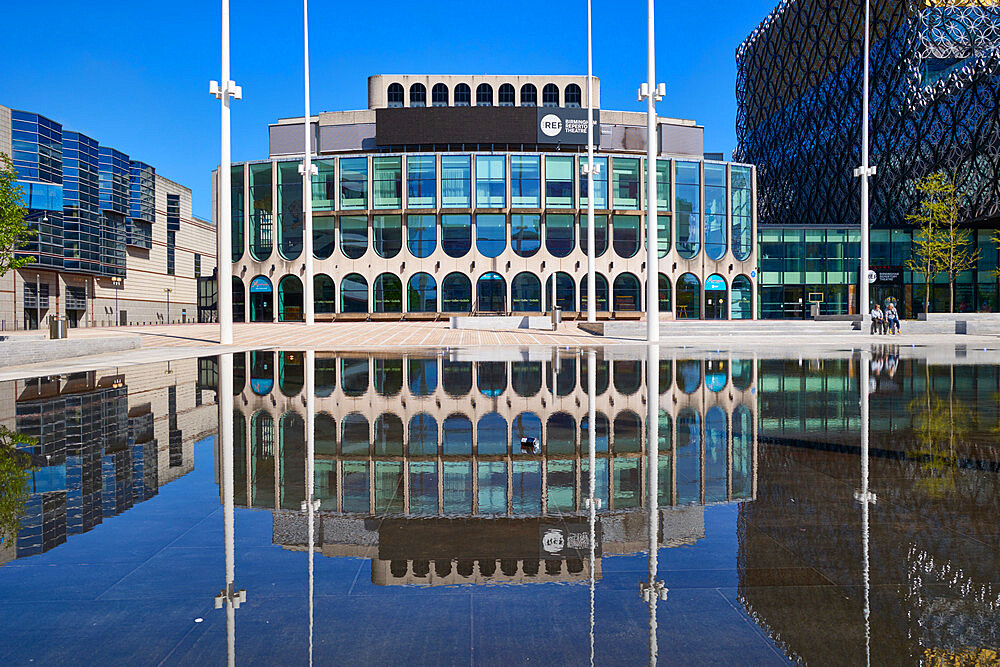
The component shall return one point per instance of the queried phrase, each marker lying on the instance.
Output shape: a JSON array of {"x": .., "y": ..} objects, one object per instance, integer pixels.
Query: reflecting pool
[{"x": 506, "y": 505}]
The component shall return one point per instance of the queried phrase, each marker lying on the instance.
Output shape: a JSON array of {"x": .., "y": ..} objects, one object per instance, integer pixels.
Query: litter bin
[
  {"x": 556, "y": 316},
  {"x": 57, "y": 327},
  {"x": 814, "y": 309}
]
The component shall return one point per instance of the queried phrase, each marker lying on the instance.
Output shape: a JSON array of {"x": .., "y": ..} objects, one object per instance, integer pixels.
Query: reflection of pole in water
[
  {"x": 866, "y": 498},
  {"x": 592, "y": 457},
  {"x": 653, "y": 590},
  {"x": 310, "y": 503},
  {"x": 229, "y": 597}
]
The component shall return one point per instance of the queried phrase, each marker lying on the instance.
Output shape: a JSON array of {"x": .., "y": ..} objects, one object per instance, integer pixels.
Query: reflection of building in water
[
  {"x": 106, "y": 441},
  {"x": 435, "y": 443}
]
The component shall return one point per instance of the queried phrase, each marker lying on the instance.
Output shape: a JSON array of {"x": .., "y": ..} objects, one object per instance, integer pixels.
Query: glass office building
[
  {"x": 934, "y": 99},
  {"x": 420, "y": 210}
]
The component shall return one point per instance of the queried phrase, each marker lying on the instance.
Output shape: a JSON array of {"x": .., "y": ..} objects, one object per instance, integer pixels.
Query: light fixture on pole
[
  {"x": 308, "y": 170},
  {"x": 223, "y": 228},
  {"x": 589, "y": 170},
  {"x": 652, "y": 93},
  {"x": 168, "y": 291},
  {"x": 865, "y": 171}
]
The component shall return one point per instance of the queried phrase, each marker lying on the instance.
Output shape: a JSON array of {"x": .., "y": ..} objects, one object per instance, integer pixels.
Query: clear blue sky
[{"x": 134, "y": 75}]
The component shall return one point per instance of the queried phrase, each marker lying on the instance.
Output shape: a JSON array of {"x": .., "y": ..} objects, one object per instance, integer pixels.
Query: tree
[
  {"x": 925, "y": 258},
  {"x": 14, "y": 467},
  {"x": 958, "y": 253},
  {"x": 14, "y": 233}
]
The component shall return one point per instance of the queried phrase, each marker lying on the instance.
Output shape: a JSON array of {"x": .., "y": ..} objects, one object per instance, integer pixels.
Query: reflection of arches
[
  {"x": 603, "y": 376},
  {"x": 292, "y": 435},
  {"x": 423, "y": 434},
  {"x": 526, "y": 293},
  {"x": 688, "y": 375},
  {"x": 742, "y": 460},
  {"x": 716, "y": 374},
  {"x": 525, "y": 425},
  {"x": 627, "y": 291},
  {"x": 491, "y": 435},
  {"x": 491, "y": 378},
  {"x": 456, "y": 293},
  {"x": 326, "y": 435},
  {"x": 560, "y": 434},
  {"x": 421, "y": 293},
  {"x": 388, "y": 293},
  {"x": 354, "y": 434},
  {"x": 388, "y": 375},
  {"x": 627, "y": 376},
  {"x": 291, "y": 373},
  {"x": 688, "y": 456},
  {"x": 688, "y": 297},
  {"x": 261, "y": 304},
  {"x": 526, "y": 377},
  {"x": 421, "y": 375},
  {"x": 261, "y": 372},
  {"x": 491, "y": 293},
  {"x": 456, "y": 435},
  {"x": 290, "y": 299},
  {"x": 742, "y": 374},
  {"x": 456, "y": 377},
  {"x": 600, "y": 435},
  {"x": 565, "y": 377},
  {"x": 716, "y": 456},
  {"x": 354, "y": 294},
  {"x": 628, "y": 432},
  {"x": 354, "y": 376},
  {"x": 326, "y": 375},
  {"x": 388, "y": 439}
]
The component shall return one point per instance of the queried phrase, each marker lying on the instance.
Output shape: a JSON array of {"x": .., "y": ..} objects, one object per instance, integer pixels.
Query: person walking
[
  {"x": 878, "y": 320},
  {"x": 892, "y": 318}
]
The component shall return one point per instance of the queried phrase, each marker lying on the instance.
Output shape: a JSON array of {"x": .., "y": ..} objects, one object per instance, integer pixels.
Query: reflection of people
[
  {"x": 892, "y": 318},
  {"x": 878, "y": 320}
]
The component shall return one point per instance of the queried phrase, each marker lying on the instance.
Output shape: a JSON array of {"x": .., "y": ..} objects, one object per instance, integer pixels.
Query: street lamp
[
  {"x": 116, "y": 282},
  {"x": 308, "y": 170},
  {"x": 168, "y": 291},
  {"x": 865, "y": 171},
  {"x": 651, "y": 92},
  {"x": 589, "y": 170}
]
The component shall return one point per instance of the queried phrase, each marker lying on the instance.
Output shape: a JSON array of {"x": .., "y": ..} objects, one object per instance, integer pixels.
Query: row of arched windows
[
  {"x": 506, "y": 95},
  {"x": 420, "y": 376},
  {"x": 421, "y": 293}
]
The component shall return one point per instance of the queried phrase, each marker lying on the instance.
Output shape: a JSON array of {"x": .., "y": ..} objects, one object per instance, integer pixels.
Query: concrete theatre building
[
  {"x": 459, "y": 194},
  {"x": 116, "y": 242}
]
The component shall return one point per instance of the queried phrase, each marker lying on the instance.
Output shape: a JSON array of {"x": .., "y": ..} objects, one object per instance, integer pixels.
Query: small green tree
[
  {"x": 956, "y": 245},
  {"x": 14, "y": 233},
  {"x": 14, "y": 467},
  {"x": 925, "y": 257}
]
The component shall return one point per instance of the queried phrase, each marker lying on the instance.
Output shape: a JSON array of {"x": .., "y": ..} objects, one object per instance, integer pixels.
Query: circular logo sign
[
  {"x": 753, "y": 274},
  {"x": 872, "y": 276},
  {"x": 551, "y": 125},
  {"x": 553, "y": 541}
]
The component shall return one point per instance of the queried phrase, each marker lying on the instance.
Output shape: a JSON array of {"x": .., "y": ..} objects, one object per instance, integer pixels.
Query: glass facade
[
  {"x": 525, "y": 181},
  {"x": 491, "y": 181}
]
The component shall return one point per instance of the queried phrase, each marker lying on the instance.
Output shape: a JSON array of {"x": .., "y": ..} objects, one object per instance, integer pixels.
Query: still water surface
[{"x": 504, "y": 506}]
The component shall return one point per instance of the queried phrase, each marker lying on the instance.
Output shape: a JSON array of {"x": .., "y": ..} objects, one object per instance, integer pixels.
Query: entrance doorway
[
  {"x": 261, "y": 300},
  {"x": 716, "y": 298},
  {"x": 883, "y": 294},
  {"x": 794, "y": 306},
  {"x": 491, "y": 293}
]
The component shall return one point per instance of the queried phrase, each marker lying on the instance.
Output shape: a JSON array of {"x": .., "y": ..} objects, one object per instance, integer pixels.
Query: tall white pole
[
  {"x": 310, "y": 368},
  {"x": 865, "y": 171},
  {"x": 591, "y": 251},
  {"x": 307, "y": 174},
  {"x": 229, "y": 598},
  {"x": 866, "y": 497},
  {"x": 654, "y": 590},
  {"x": 224, "y": 225},
  {"x": 592, "y": 465},
  {"x": 652, "y": 275}
]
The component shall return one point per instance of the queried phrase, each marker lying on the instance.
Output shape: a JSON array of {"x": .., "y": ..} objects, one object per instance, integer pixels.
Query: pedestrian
[
  {"x": 892, "y": 318},
  {"x": 878, "y": 320}
]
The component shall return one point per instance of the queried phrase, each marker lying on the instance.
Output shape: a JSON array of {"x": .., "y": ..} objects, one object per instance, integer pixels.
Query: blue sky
[{"x": 134, "y": 75}]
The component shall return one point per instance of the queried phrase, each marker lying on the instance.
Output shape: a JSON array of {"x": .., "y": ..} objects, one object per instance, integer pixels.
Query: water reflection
[
  {"x": 100, "y": 443},
  {"x": 429, "y": 478}
]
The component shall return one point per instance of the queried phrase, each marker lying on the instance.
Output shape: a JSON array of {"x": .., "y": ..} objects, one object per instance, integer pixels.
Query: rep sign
[{"x": 557, "y": 125}]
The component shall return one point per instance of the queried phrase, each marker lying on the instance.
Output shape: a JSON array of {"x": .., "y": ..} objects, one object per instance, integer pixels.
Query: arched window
[
  {"x": 627, "y": 292},
  {"x": 600, "y": 286},
  {"x": 550, "y": 95},
  {"x": 688, "y": 208},
  {"x": 261, "y": 215},
  {"x": 290, "y": 226},
  {"x": 505, "y": 95},
  {"x": 353, "y": 235},
  {"x": 354, "y": 294},
  {"x": 421, "y": 293},
  {"x": 573, "y": 97},
  {"x": 394, "y": 96},
  {"x": 742, "y": 205},
  {"x": 741, "y": 299},
  {"x": 324, "y": 294},
  {"x": 559, "y": 234},
  {"x": 291, "y": 373},
  {"x": 688, "y": 297},
  {"x": 387, "y": 235},
  {"x": 715, "y": 211},
  {"x": 463, "y": 95},
  {"x": 456, "y": 234},
  {"x": 388, "y": 294},
  {"x": 525, "y": 234},
  {"x": 323, "y": 236},
  {"x": 456, "y": 293},
  {"x": 484, "y": 95},
  {"x": 565, "y": 292},
  {"x": 526, "y": 293},
  {"x": 290, "y": 299},
  {"x": 261, "y": 300},
  {"x": 625, "y": 235},
  {"x": 239, "y": 301},
  {"x": 418, "y": 95},
  {"x": 439, "y": 95},
  {"x": 529, "y": 95},
  {"x": 665, "y": 293},
  {"x": 421, "y": 234},
  {"x": 491, "y": 234},
  {"x": 491, "y": 293}
]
